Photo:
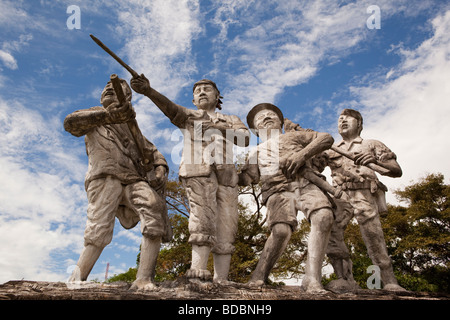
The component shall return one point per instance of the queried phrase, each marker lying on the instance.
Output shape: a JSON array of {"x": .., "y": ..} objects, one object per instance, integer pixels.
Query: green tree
[{"x": 418, "y": 236}]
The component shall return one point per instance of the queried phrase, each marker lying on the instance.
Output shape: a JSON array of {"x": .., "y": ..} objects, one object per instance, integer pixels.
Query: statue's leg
[
  {"x": 104, "y": 196},
  {"x": 366, "y": 213},
  {"x": 148, "y": 206},
  {"x": 273, "y": 249},
  {"x": 86, "y": 262},
  {"x": 201, "y": 193},
  {"x": 226, "y": 229},
  {"x": 373, "y": 237},
  {"x": 200, "y": 255},
  {"x": 146, "y": 272},
  {"x": 321, "y": 222}
]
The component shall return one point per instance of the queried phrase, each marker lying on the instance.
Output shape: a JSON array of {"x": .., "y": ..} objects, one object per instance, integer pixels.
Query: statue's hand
[
  {"x": 160, "y": 178},
  {"x": 120, "y": 113},
  {"x": 364, "y": 158},
  {"x": 140, "y": 84},
  {"x": 291, "y": 164},
  {"x": 161, "y": 175}
]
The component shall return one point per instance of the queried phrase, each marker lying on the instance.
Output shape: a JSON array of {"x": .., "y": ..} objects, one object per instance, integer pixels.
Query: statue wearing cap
[
  {"x": 207, "y": 172},
  {"x": 279, "y": 162}
]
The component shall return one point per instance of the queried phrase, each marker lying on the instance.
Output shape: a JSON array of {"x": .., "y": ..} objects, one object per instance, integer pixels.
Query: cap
[{"x": 263, "y": 106}]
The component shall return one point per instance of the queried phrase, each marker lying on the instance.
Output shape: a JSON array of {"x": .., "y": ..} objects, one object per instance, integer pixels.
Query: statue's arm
[
  {"x": 323, "y": 141},
  {"x": 142, "y": 85},
  {"x": 242, "y": 134},
  {"x": 81, "y": 122},
  {"x": 313, "y": 143},
  {"x": 381, "y": 155}
]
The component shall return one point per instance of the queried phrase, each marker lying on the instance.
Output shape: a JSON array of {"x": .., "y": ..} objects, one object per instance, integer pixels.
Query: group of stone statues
[{"x": 127, "y": 175}]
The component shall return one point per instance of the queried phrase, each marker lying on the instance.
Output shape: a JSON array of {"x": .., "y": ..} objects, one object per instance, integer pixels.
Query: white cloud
[
  {"x": 11, "y": 15},
  {"x": 22, "y": 16},
  {"x": 42, "y": 201},
  {"x": 17, "y": 45},
  {"x": 8, "y": 60},
  {"x": 132, "y": 234},
  {"x": 409, "y": 111},
  {"x": 288, "y": 46},
  {"x": 285, "y": 49},
  {"x": 158, "y": 38},
  {"x": 26, "y": 248}
]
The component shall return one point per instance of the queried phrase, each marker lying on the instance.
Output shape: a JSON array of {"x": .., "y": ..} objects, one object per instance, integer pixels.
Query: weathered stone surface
[{"x": 183, "y": 289}]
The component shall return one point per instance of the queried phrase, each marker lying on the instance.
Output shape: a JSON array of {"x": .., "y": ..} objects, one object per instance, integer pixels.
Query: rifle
[
  {"x": 132, "y": 126},
  {"x": 112, "y": 54},
  {"x": 144, "y": 161},
  {"x": 350, "y": 155},
  {"x": 309, "y": 175}
]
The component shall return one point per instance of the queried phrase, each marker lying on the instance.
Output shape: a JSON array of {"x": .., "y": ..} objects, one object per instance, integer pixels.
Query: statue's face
[
  {"x": 347, "y": 125},
  {"x": 109, "y": 95},
  {"x": 267, "y": 119},
  {"x": 205, "y": 97}
]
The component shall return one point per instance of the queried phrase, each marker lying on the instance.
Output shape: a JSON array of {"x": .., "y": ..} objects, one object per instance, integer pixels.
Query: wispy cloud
[
  {"x": 158, "y": 38},
  {"x": 287, "y": 47},
  {"x": 41, "y": 193},
  {"x": 13, "y": 46},
  {"x": 8, "y": 60}
]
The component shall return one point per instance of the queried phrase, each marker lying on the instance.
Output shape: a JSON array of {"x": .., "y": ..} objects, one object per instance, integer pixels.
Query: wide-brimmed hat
[{"x": 262, "y": 106}]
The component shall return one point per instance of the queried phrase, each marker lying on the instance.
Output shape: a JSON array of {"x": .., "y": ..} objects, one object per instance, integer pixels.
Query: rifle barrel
[{"x": 112, "y": 54}]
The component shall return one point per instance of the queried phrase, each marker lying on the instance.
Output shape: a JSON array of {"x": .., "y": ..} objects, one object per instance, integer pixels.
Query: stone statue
[
  {"x": 282, "y": 163},
  {"x": 118, "y": 183},
  {"x": 207, "y": 172},
  {"x": 352, "y": 162},
  {"x": 337, "y": 251}
]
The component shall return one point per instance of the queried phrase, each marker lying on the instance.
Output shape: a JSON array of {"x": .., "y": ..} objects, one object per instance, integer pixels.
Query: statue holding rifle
[
  {"x": 126, "y": 179},
  {"x": 353, "y": 163}
]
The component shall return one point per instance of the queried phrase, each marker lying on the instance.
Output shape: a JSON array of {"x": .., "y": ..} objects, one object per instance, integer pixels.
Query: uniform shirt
[
  {"x": 347, "y": 174},
  {"x": 112, "y": 152},
  {"x": 267, "y": 156},
  {"x": 205, "y": 152}
]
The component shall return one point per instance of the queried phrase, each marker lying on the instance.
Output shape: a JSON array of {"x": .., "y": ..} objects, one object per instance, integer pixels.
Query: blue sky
[{"x": 310, "y": 58}]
